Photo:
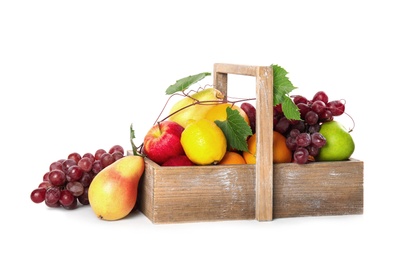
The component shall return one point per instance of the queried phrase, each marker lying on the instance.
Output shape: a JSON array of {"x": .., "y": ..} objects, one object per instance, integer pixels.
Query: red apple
[
  {"x": 163, "y": 141},
  {"x": 179, "y": 160}
]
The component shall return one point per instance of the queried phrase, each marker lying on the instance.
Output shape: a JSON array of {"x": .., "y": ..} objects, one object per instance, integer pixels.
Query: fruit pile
[
  {"x": 66, "y": 181},
  {"x": 304, "y": 137},
  {"x": 204, "y": 127}
]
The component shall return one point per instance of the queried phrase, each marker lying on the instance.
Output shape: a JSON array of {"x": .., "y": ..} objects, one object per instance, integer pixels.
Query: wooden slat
[
  {"x": 264, "y": 144},
  {"x": 227, "y": 192},
  {"x": 318, "y": 189},
  {"x": 197, "y": 194},
  {"x": 264, "y": 106}
]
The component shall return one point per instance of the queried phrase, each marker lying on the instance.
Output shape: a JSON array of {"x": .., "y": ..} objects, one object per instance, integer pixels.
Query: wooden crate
[{"x": 263, "y": 191}]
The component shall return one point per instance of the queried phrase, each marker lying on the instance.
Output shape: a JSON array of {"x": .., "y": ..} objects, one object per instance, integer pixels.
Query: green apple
[{"x": 339, "y": 143}]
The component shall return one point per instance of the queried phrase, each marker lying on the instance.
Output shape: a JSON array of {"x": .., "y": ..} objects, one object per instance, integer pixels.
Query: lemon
[{"x": 204, "y": 142}]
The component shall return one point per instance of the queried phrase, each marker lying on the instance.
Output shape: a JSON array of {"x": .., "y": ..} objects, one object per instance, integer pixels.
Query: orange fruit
[
  {"x": 250, "y": 157},
  {"x": 218, "y": 112},
  {"x": 232, "y": 158},
  {"x": 281, "y": 153}
]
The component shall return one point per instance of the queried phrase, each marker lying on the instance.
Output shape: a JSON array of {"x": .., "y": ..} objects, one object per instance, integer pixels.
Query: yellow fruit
[
  {"x": 281, "y": 153},
  {"x": 113, "y": 192},
  {"x": 197, "y": 111},
  {"x": 232, "y": 158},
  {"x": 204, "y": 142},
  {"x": 218, "y": 112}
]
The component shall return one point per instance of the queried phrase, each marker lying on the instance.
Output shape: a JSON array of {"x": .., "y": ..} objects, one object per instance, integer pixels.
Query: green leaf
[
  {"x": 290, "y": 110},
  {"x": 184, "y": 83},
  {"x": 235, "y": 129},
  {"x": 282, "y": 86}
]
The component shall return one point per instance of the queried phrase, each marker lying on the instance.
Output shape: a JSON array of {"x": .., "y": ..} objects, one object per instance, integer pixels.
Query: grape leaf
[
  {"x": 282, "y": 86},
  {"x": 235, "y": 129},
  {"x": 290, "y": 110},
  {"x": 184, "y": 83}
]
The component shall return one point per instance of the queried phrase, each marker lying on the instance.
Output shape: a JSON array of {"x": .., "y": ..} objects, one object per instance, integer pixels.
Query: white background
[{"x": 74, "y": 75}]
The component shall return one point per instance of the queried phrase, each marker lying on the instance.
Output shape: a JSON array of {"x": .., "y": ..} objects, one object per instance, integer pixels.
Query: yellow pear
[
  {"x": 184, "y": 114},
  {"x": 113, "y": 191}
]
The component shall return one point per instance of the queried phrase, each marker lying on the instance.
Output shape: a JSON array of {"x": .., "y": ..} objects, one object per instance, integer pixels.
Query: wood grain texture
[
  {"x": 227, "y": 192},
  {"x": 199, "y": 193},
  {"x": 318, "y": 189}
]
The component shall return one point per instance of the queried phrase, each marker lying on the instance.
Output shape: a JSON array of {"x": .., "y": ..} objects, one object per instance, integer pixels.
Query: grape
[
  {"x": 300, "y": 125},
  {"x": 303, "y": 139},
  {"x": 86, "y": 179},
  {"x": 311, "y": 118},
  {"x": 303, "y": 110},
  {"x": 318, "y": 107},
  {"x": 45, "y": 176},
  {"x": 56, "y": 165},
  {"x": 98, "y": 154},
  {"x": 75, "y": 187},
  {"x": 301, "y": 155},
  {"x": 294, "y": 132},
  {"x": 52, "y": 205},
  {"x": 45, "y": 184},
  {"x": 277, "y": 110},
  {"x": 52, "y": 195},
  {"x": 74, "y": 156},
  {"x": 97, "y": 167},
  {"x": 282, "y": 125},
  {"x": 67, "y": 163},
  {"x": 318, "y": 140},
  {"x": 291, "y": 143},
  {"x": 313, "y": 150},
  {"x": 313, "y": 128},
  {"x": 250, "y": 111},
  {"x": 299, "y": 99},
  {"x": 320, "y": 95},
  {"x": 336, "y": 107},
  {"x": 116, "y": 148},
  {"x": 38, "y": 195},
  {"x": 74, "y": 173},
  {"x": 83, "y": 198},
  {"x": 85, "y": 164},
  {"x": 66, "y": 198},
  {"x": 326, "y": 116},
  {"x": 57, "y": 177},
  {"x": 117, "y": 155},
  {"x": 73, "y": 205},
  {"x": 106, "y": 159},
  {"x": 89, "y": 156}
]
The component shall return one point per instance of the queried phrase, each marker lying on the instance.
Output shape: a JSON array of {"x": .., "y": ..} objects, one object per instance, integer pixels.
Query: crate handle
[{"x": 264, "y": 128}]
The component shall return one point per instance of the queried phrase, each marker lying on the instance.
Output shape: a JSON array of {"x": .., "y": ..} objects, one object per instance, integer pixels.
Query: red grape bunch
[
  {"x": 302, "y": 136},
  {"x": 67, "y": 180}
]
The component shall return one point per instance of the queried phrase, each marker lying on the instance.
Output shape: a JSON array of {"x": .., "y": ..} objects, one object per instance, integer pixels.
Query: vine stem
[{"x": 196, "y": 102}]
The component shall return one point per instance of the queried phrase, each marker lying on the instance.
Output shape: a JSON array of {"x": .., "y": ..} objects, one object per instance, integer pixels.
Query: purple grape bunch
[{"x": 303, "y": 136}]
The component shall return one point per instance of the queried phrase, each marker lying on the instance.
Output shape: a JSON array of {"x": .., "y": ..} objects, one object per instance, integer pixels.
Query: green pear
[{"x": 339, "y": 143}]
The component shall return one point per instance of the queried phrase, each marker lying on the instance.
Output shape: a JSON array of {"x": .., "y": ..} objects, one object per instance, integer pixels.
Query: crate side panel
[
  {"x": 145, "y": 200},
  {"x": 320, "y": 189},
  {"x": 203, "y": 194}
]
